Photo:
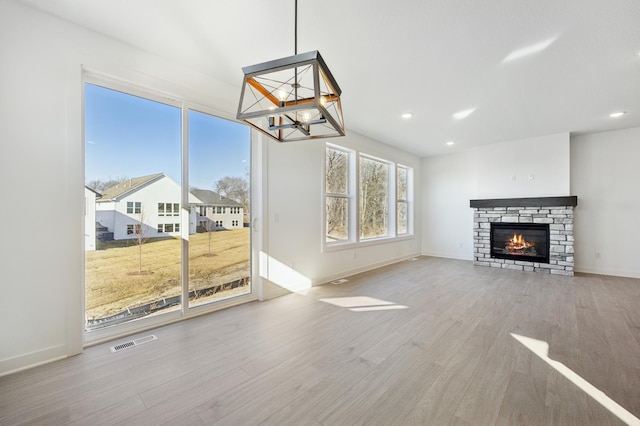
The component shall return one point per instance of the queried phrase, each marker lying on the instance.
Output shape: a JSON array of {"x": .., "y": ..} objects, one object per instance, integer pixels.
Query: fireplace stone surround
[{"x": 556, "y": 211}]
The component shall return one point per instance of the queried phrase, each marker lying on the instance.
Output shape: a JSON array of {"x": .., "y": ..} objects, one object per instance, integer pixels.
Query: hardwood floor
[{"x": 430, "y": 345}]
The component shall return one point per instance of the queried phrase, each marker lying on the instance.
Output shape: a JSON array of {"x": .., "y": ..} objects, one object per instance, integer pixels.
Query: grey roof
[
  {"x": 132, "y": 184},
  {"x": 98, "y": 195},
  {"x": 210, "y": 198}
]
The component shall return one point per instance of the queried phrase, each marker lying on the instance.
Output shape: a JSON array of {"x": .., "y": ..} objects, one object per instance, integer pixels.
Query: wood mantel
[{"x": 571, "y": 200}]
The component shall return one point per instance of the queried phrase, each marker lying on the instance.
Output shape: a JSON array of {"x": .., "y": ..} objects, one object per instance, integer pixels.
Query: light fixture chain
[{"x": 295, "y": 47}]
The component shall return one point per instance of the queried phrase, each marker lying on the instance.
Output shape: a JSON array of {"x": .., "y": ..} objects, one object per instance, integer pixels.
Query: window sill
[{"x": 328, "y": 248}]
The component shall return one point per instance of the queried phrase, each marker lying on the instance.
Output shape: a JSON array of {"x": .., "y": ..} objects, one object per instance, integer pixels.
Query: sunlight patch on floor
[
  {"x": 541, "y": 349},
  {"x": 363, "y": 303}
]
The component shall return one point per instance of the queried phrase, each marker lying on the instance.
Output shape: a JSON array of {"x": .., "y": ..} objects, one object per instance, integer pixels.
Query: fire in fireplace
[{"x": 520, "y": 241}]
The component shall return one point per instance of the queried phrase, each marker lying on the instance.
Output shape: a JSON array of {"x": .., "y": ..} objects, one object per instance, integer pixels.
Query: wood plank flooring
[{"x": 437, "y": 352}]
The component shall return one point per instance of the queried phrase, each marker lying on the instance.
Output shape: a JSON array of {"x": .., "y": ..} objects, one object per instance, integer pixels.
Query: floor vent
[
  {"x": 340, "y": 281},
  {"x": 132, "y": 343}
]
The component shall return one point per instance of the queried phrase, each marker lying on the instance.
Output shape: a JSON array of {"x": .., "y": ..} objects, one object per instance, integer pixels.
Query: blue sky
[{"x": 128, "y": 136}]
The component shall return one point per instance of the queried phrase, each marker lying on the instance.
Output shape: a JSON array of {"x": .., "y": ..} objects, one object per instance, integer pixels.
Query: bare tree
[
  {"x": 140, "y": 237},
  {"x": 99, "y": 185},
  {"x": 374, "y": 178},
  {"x": 336, "y": 183},
  {"x": 209, "y": 226},
  {"x": 235, "y": 188}
]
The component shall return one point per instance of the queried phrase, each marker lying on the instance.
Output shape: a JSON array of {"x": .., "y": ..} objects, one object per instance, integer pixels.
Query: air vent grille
[{"x": 131, "y": 343}]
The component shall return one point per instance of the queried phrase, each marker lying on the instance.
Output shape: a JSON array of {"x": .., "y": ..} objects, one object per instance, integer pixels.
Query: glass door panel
[
  {"x": 219, "y": 185},
  {"x": 132, "y": 222}
]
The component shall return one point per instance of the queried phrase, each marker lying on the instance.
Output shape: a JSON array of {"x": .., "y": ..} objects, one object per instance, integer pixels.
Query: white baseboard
[
  {"x": 361, "y": 269},
  {"x": 32, "y": 359},
  {"x": 456, "y": 256},
  {"x": 607, "y": 271}
]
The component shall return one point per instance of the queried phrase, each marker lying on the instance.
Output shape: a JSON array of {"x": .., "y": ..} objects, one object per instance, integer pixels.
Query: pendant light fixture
[{"x": 293, "y": 98}]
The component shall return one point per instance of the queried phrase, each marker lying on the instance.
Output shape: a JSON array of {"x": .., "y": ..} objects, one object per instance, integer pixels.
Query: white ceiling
[{"x": 430, "y": 57}]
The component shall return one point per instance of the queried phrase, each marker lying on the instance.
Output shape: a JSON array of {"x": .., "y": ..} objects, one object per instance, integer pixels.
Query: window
[
  {"x": 134, "y": 207},
  {"x": 219, "y": 210},
  {"x": 168, "y": 227},
  {"x": 373, "y": 198},
  {"x": 402, "y": 200},
  {"x": 134, "y": 229},
  {"x": 366, "y": 198},
  {"x": 337, "y": 195},
  {"x": 168, "y": 209},
  {"x": 203, "y": 210}
]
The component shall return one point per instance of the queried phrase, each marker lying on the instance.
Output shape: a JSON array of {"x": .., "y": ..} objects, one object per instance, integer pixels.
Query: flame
[{"x": 517, "y": 242}]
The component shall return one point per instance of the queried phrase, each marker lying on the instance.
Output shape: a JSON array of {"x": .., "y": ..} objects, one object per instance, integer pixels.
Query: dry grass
[{"x": 113, "y": 284}]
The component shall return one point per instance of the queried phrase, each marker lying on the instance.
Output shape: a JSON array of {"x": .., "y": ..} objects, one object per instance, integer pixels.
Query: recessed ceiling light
[
  {"x": 407, "y": 115},
  {"x": 449, "y": 143},
  {"x": 463, "y": 114},
  {"x": 638, "y": 53},
  {"x": 617, "y": 114}
]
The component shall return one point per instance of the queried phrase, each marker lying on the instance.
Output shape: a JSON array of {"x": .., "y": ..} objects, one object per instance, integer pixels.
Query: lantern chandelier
[{"x": 293, "y": 98}]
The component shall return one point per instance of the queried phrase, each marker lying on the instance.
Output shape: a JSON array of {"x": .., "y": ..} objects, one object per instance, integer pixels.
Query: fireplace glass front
[{"x": 520, "y": 241}]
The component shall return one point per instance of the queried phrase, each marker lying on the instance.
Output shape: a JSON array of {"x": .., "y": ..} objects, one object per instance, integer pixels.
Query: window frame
[
  {"x": 405, "y": 201},
  {"x": 349, "y": 196},
  {"x": 354, "y": 238},
  {"x": 390, "y": 194}
]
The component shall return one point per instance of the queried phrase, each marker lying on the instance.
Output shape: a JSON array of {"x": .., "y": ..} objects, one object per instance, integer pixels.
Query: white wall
[
  {"x": 605, "y": 175},
  {"x": 41, "y": 308},
  {"x": 533, "y": 167},
  {"x": 448, "y": 183},
  {"x": 41, "y": 169},
  {"x": 501, "y": 170}
]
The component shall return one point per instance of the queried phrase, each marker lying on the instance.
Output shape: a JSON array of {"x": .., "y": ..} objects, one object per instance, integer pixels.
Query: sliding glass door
[{"x": 144, "y": 226}]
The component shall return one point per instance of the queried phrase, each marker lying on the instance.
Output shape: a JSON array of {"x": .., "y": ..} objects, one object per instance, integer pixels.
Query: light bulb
[{"x": 282, "y": 95}]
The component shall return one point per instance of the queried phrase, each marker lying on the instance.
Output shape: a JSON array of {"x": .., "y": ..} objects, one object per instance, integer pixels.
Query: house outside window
[
  {"x": 168, "y": 209},
  {"x": 168, "y": 227},
  {"x": 134, "y": 229},
  {"x": 134, "y": 207}
]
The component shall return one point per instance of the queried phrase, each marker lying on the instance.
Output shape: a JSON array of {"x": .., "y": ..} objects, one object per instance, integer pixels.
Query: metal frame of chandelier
[{"x": 293, "y": 98}]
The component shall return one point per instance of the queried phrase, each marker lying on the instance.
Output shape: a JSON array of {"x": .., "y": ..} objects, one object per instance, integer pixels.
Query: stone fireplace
[{"x": 526, "y": 234}]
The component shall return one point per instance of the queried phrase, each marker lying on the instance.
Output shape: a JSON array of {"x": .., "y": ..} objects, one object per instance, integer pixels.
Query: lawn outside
[{"x": 113, "y": 282}]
